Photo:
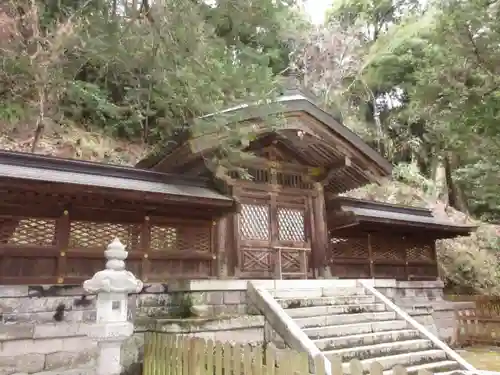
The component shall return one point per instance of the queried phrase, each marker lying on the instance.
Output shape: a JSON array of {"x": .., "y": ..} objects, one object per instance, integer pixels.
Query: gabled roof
[
  {"x": 397, "y": 216},
  {"x": 32, "y": 167},
  {"x": 291, "y": 102}
]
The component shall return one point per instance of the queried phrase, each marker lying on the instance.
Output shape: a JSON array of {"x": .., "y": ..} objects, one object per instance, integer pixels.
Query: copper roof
[
  {"x": 33, "y": 167},
  {"x": 397, "y": 215}
]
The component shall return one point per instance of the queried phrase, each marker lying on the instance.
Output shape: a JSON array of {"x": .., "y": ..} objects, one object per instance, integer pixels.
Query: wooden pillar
[
  {"x": 145, "y": 246},
  {"x": 405, "y": 254},
  {"x": 7, "y": 229},
  {"x": 320, "y": 230},
  {"x": 370, "y": 256},
  {"x": 436, "y": 263},
  {"x": 62, "y": 234},
  {"x": 223, "y": 258}
]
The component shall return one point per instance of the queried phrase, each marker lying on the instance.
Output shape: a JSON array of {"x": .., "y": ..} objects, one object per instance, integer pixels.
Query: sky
[{"x": 316, "y": 9}]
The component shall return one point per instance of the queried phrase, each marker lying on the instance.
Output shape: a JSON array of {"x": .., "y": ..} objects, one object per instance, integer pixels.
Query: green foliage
[
  {"x": 12, "y": 112},
  {"x": 145, "y": 71}
]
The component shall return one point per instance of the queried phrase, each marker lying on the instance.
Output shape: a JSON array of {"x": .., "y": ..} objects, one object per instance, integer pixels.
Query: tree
[{"x": 136, "y": 69}]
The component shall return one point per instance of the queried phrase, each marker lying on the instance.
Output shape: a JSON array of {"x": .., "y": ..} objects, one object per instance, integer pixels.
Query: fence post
[{"x": 112, "y": 287}]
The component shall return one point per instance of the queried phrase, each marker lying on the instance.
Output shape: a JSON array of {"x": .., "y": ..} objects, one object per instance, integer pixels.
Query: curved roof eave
[{"x": 292, "y": 103}]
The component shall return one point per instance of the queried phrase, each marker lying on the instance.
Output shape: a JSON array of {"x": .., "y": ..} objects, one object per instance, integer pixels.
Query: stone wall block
[
  {"x": 20, "y": 347},
  {"x": 44, "y": 317},
  {"x": 155, "y": 288},
  {"x": 43, "y": 304},
  {"x": 29, "y": 363},
  {"x": 56, "y": 290},
  {"x": 78, "y": 371},
  {"x": 13, "y": 291},
  {"x": 58, "y": 330},
  {"x": 70, "y": 360},
  {"x": 16, "y": 331},
  {"x": 234, "y": 298},
  {"x": 215, "y": 298},
  {"x": 75, "y": 344}
]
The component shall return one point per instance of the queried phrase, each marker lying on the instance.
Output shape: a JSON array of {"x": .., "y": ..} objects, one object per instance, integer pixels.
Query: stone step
[
  {"x": 379, "y": 350},
  {"x": 316, "y": 292},
  {"x": 304, "y": 312},
  {"x": 447, "y": 366},
  {"x": 344, "y": 291},
  {"x": 353, "y": 329},
  {"x": 362, "y": 339},
  {"x": 404, "y": 359},
  {"x": 293, "y": 303},
  {"x": 337, "y": 319}
]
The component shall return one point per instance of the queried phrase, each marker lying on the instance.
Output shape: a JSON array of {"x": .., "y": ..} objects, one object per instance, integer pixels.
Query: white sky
[{"x": 316, "y": 9}]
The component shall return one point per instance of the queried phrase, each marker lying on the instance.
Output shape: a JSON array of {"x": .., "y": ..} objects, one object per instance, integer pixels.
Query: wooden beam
[
  {"x": 340, "y": 220},
  {"x": 333, "y": 168}
]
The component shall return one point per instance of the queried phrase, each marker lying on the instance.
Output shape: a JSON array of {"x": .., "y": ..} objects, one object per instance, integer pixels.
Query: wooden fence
[
  {"x": 166, "y": 354},
  {"x": 479, "y": 325}
]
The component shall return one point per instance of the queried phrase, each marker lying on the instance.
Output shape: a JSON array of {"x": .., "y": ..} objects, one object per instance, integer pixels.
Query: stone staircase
[{"x": 350, "y": 323}]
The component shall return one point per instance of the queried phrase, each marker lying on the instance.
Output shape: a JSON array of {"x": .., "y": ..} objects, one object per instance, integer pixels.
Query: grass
[{"x": 483, "y": 358}]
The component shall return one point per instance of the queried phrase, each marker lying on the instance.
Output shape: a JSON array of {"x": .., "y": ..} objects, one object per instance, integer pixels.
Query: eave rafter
[{"x": 326, "y": 177}]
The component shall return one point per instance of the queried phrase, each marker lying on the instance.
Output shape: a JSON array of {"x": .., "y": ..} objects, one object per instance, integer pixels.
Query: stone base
[
  {"x": 47, "y": 348},
  {"x": 41, "y": 326}
]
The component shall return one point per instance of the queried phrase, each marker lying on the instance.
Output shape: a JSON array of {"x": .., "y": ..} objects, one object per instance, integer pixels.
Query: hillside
[{"x": 70, "y": 141}]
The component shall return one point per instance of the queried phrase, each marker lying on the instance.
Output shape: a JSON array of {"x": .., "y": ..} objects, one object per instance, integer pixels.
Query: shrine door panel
[{"x": 274, "y": 239}]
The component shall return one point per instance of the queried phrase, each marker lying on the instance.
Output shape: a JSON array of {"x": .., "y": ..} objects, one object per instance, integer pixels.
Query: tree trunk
[{"x": 456, "y": 196}]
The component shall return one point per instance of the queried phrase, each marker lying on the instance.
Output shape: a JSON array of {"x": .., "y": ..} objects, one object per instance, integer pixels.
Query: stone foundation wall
[
  {"x": 42, "y": 328},
  {"x": 424, "y": 301}
]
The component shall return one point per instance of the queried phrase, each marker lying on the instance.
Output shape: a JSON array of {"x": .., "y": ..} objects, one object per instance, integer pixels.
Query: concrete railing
[
  {"x": 284, "y": 325},
  {"x": 419, "y": 327}
]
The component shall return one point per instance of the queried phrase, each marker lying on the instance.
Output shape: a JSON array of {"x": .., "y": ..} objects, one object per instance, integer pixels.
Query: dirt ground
[{"x": 483, "y": 358}]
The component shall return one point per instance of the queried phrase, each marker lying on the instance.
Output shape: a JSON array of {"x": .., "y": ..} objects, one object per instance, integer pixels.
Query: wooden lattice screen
[
  {"x": 382, "y": 256},
  {"x": 62, "y": 250}
]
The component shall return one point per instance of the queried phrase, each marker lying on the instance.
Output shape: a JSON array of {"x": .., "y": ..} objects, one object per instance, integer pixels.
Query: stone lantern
[{"x": 112, "y": 286}]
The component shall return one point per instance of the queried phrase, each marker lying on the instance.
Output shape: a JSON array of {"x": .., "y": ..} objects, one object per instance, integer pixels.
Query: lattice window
[
  {"x": 254, "y": 222},
  {"x": 388, "y": 248},
  {"x": 30, "y": 231},
  {"x": 420, "y": 252},
  {"x": 291, "y": 226},
  {"x": 349, "y": 247},
  {"x": 180, "y": 238},
  {"x": 194, "y": 238},
  {"x": 87, "y": 234},
  {"x": 163, "y": 238}
]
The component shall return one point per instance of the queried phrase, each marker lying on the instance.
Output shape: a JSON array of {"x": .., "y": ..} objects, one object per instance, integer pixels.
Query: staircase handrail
[{"x": 284, "y": 325}]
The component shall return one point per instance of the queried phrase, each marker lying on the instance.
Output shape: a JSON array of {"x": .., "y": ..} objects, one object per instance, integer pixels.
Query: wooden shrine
[{"x": 179, "y": 219}]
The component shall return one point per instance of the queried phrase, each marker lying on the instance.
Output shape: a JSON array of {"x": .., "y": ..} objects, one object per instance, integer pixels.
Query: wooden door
[
  {"x": 292, "y": 244},
  {"x": 274, "y": 236}
]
